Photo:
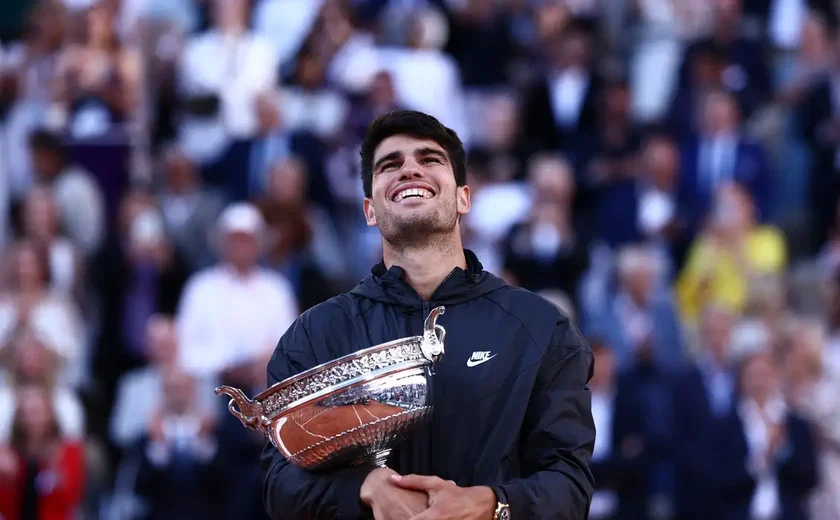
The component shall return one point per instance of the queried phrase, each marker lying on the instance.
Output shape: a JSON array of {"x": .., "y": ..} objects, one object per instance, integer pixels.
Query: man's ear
[
  {"x": 462, "y": 195},
  {"x": 370, "y": 214}
]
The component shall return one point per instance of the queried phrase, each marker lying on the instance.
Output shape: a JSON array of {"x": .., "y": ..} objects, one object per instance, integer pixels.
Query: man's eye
[
  {"x": 389, "y": 166},
  {"x": 428, "y": 160}
]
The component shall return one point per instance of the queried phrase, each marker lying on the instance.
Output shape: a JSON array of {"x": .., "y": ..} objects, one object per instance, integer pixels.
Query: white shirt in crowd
[
  {"x": 286, "y": 23},
  {"x": 225, "y": 320},
  {"x": 766, "y": 502},
  {"x": 238, "y": 69},
  {"x": 81, "y": 207},
  {"x": 604, "y": 502}
]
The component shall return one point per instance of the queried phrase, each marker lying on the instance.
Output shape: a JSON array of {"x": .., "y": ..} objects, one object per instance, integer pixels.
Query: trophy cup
[{"x": 350, "y": 411}]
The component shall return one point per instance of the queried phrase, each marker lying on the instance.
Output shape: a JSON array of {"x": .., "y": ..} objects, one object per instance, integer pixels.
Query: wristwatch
[{"x": 502, "y": 508}]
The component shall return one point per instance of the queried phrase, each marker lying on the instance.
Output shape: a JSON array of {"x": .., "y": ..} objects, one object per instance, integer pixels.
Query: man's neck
[{"x": 426, "y": 267}]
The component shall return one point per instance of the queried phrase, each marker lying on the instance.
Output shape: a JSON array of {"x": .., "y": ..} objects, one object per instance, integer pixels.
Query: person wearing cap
[{"x": 232, "y": 313}]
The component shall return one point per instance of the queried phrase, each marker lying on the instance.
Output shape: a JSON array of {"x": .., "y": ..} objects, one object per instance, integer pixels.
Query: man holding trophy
[{"x": 510, "y": 433}]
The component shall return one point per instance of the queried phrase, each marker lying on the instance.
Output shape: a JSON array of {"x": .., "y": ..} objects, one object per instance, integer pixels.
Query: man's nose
[{"x": 410, "y": 170}]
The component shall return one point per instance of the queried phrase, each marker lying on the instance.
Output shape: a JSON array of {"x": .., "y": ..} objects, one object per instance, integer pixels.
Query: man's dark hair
[{"x": 417, "y": 125}]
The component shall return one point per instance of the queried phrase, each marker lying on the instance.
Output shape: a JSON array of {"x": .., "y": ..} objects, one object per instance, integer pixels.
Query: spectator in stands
[
  {"x": 41, "y": 227},
  {"x": 745, "y": 69},
  {"x": 98, "y": 78},
  {"x": 728, "y": 255},
  {"x": 811, "y": 390},
  {"x": 140, "y": 392},
  {"x": 42, "y": 474},
  {"x": 138, "y": 275},
  {"x": 221, "y": 74},
  {"x": 563, "y": 101},
  {"x": 640, "y": 315},
  {"x": 608, "y": 159},
  {"x": 659, "y": 218},
  {"x": 178, "y": 477},
  {"x": 301, "y": 242},
  {"x": 31, "y": 361},
  {"x": 189, "y": 209},
  {"x": 704, "y": 403},
  {"x": 28, "y": 301},
  {"x": 718, "y": 154},
  {"x": 546, "y": 251},
  {"x": 81, "y": 205},
  {"x": 231, "y": 314},
  {"x": 775, "y": 451}
]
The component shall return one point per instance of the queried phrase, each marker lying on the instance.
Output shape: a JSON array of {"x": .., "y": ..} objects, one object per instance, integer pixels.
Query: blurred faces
[
  {"x": 638, "y": 270},
  {"x": 33, "y": 362},
  {"x": 732, "y": 213},
  {"x": 552, "y": 179},
  {"x": 760, "y": 377},
  {"x": 35, "y": 415},
  {"x": 604, "y": 370},
  {"x": 161, "y": 340},
  {"x": 287, "y": 182},
  {"x": 241, "y": 249},
  {"x": 414, "y": 193},
  {"x": 382, "y": 92},
  {"x": 501, "y": 123},
  {"x": 716, "y": 329},
  {"x": 230, "y": 15},
  {"x": 181, "y": 176},
  {"x": 28, "y": 268},
  {"x": 178, "y": 392},
  {"x": 99, "y": 22},
  {"x": 661, "y": 163},
  {"x": 47, "y": 163},
  {"x": 40, "y": 215},
  {"x": 720, "y": 114}
]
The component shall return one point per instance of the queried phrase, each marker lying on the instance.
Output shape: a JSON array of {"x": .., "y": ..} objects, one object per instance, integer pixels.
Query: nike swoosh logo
[{"x": 471, "y": 363}]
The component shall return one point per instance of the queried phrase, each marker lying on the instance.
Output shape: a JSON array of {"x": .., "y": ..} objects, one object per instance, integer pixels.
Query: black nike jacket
[{"x": 516, "y": 416}]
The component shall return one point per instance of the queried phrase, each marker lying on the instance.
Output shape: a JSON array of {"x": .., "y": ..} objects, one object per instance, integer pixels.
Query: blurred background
[{"x": 179, "y": 180}]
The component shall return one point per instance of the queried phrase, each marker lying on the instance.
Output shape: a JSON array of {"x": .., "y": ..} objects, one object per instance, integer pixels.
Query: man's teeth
[{"x": 413, "y": 192}]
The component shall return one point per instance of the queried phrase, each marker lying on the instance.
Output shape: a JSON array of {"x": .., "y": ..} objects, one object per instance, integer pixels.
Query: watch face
[{"x": 504, "y": 514}]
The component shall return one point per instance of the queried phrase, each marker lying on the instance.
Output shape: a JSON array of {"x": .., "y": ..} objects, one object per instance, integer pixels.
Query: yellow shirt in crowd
[{"x": 714, "y": 275}]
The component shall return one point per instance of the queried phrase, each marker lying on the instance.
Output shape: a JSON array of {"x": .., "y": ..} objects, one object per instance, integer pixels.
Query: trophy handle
[
  {"x": 247, "y": 411},
  {"x": 433, "y": 335}
]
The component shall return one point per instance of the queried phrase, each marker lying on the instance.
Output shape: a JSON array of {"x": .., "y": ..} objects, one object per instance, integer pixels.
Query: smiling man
[{"x": 512, "y": 433}]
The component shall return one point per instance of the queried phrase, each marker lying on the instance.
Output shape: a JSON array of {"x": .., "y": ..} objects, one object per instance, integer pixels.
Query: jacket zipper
[{"x": 426, "y": 309}]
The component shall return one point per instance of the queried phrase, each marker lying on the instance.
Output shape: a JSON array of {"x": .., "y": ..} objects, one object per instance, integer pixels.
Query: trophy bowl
[{"x": 350, "y": 411}]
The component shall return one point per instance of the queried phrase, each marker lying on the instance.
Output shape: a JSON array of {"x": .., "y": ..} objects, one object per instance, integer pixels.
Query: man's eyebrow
[
  {"x": 431, "y": 151},
  {"x": 390, "y": 157}
]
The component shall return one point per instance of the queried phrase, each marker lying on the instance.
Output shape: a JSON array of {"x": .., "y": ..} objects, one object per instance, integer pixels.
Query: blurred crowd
[{"x": 179, "y": 180}]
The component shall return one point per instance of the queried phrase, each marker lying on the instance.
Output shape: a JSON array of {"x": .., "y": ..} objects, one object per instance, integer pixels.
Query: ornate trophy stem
[
  {"x": 378, "y": 459},
  {"x": 433, "y": 336}
]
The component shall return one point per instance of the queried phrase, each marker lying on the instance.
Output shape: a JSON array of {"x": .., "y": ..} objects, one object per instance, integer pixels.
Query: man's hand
[
  {"x": 389, "y": 502},
  {"x": 448, "y": 501}
]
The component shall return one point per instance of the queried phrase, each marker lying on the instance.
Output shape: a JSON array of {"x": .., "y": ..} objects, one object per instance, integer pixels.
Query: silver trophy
[{"x": 350, "y": 411}]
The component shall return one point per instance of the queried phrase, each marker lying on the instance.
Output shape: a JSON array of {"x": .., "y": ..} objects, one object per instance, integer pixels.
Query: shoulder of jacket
[
  {"x": 526, "y": 305},
  {"x": 335, "y": 308}
]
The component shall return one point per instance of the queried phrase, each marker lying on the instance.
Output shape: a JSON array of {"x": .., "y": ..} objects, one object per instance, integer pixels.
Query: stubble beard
[{"x": 421, "y": 228}]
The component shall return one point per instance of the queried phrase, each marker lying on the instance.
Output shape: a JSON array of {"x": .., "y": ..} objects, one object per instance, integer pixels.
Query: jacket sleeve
[
  {"x": 558, "y": 435},
  {"x": 290, "y": 492}
]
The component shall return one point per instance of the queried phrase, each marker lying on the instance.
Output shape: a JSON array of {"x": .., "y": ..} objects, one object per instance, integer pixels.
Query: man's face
[
  {"x": 241, "y": 249},
  {"x": 46, "y": 163},
  {"x": 414, "y": 193}
]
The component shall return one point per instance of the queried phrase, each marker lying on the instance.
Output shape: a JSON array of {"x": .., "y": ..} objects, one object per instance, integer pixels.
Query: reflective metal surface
[{"x": 352, "y": 410}]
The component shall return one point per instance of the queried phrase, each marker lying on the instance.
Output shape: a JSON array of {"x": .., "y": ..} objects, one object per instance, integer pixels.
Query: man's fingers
[{"x": 418, "y": 482}]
